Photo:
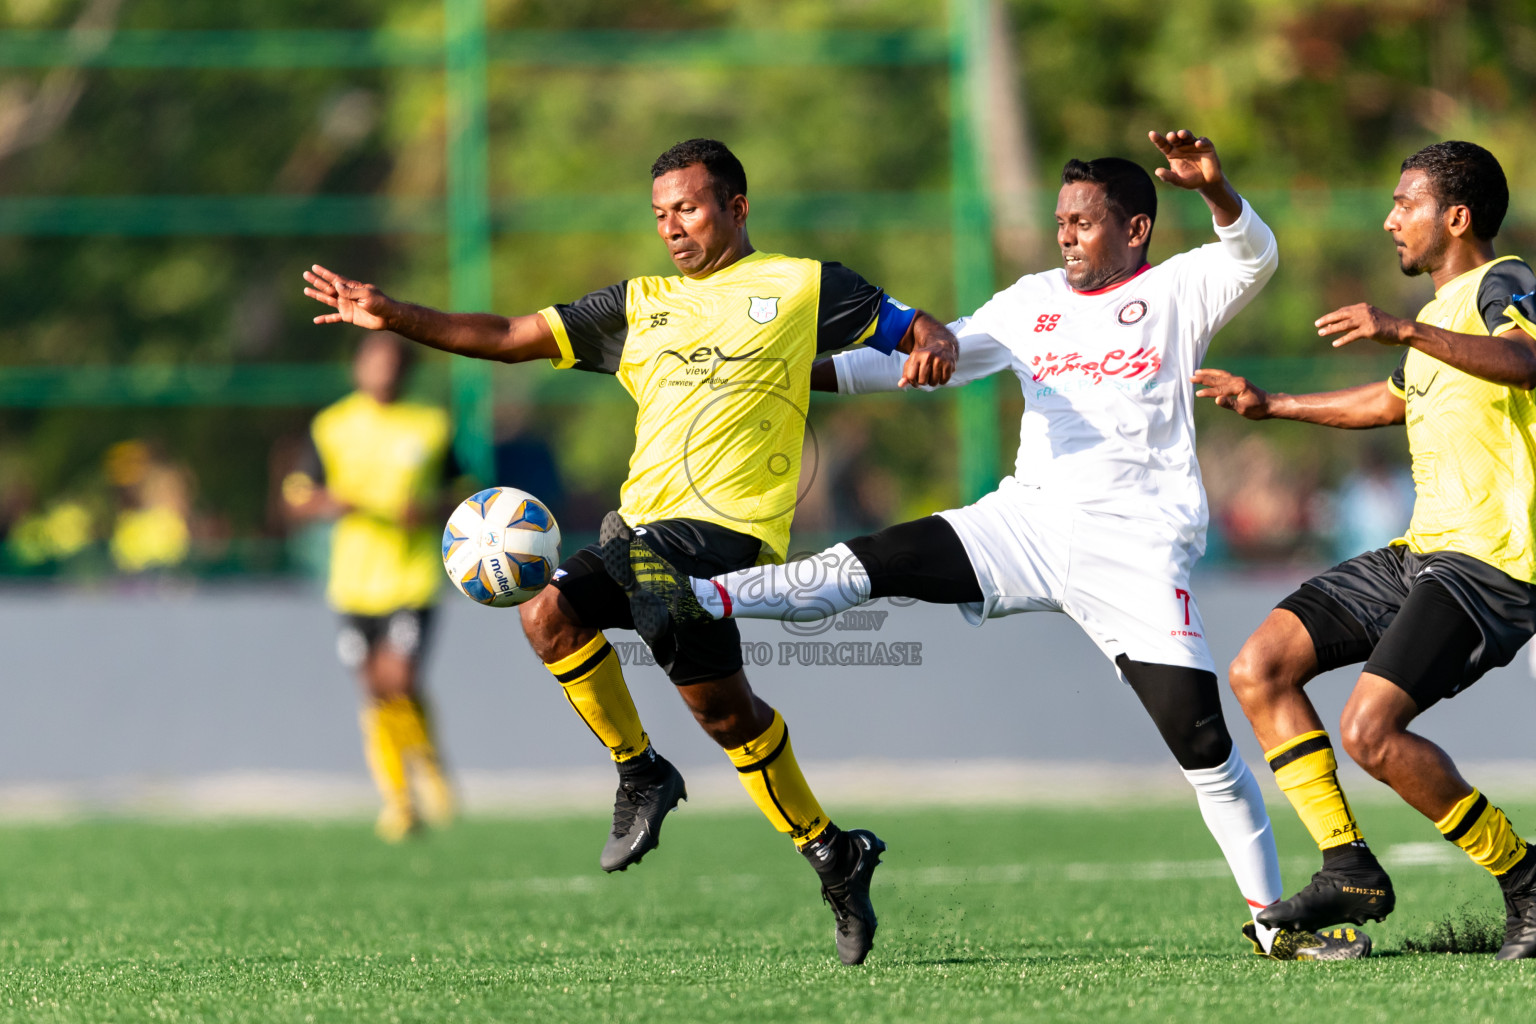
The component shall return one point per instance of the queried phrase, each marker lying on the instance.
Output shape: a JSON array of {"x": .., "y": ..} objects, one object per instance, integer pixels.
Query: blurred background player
[
  {"x": 1454, "y": 597},
  {"x": 377, "y": 465},
  {"x": 713, "y": 481}
]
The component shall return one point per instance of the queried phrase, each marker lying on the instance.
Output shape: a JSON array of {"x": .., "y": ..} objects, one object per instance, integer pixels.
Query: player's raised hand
[
  {"x": 1192, "y": 160},
  {"x": 355, "y": 302},
  {"x": 1233, "y": 392},
  {"x": 1362, "y": 320}
]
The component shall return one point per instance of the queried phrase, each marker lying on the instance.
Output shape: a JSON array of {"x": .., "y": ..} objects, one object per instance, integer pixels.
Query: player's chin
[
  {"x": 1410, "y": 264},
  {"x": 1082, "y": 278}
]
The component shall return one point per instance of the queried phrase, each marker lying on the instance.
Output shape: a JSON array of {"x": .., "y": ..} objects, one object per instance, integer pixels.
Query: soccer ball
[{"x": 501, "y": 546}]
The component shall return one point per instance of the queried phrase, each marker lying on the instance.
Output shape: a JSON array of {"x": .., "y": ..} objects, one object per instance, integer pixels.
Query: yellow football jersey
[
  {"x": 720, "y": 370},
  {"x": 1473, "y": 442},
  {"x": 382, "y": 459}
]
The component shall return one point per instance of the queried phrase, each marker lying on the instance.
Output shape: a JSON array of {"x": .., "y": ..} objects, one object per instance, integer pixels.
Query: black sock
[
  {"x": 1355, "y": 856},
  {"x": 640, "y": 767},
  {"x": 832, "y": 853}
]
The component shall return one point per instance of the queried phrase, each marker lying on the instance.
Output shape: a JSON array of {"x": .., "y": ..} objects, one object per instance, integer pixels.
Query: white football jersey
[{"x": 1108, "y": 405}]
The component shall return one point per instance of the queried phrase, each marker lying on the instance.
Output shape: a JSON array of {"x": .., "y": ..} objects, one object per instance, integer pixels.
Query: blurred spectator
[
  {"x": 525, "y": 459},
  {"x": 843, "y": 488},
  {"x": 55, "y": 534},
  {"x": 152, "y": 528},
  {"x": 1262, "y": 507},
  {"x": 862, "y": 493},
  {"x": 1372, "y": 506}
]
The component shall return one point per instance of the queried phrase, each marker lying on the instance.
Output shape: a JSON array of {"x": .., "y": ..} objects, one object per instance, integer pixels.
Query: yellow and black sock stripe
[
  {"x": 772, "y": 778},
  {"x": 1308, "y": 774},
  {"x": 1483, "y": 831},
  {"x": 594, "y": 684}
]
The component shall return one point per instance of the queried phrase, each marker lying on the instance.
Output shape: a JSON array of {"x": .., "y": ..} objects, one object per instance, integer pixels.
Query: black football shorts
[
  {"x": 405, "y": 631},
  {"x": 693, "y": 653},
  {"x": 1432, "y": 623}
]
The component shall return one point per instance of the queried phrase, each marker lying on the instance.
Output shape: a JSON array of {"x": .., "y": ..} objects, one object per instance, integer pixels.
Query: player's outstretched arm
[
  {"x": 479, "y": 335},
  {"x": 1357, "y": 408},
  {"x": 1508, "y": 358},
  {"x": 1194, "y": 165},
  {"x": 864, "y": 370},
  {"x": 931, "y": 350}
]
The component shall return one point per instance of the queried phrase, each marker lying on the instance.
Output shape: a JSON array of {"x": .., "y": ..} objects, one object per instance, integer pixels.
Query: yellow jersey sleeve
[{"x": 1397, "y": 383}]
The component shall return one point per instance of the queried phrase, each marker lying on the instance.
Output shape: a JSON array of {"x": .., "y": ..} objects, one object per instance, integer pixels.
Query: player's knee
[
  {"x": 1255, "y": 677},
  {"x": 1367, "y": 740},
  {"x": 389, "y": 675},
  {"x": 1208, "y": 746},
  {"x": 727, "y": 710},
  {"x": 546, "y": 625}
]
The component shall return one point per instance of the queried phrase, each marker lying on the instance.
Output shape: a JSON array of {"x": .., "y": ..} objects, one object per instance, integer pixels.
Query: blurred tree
[{"x": 1313, "y": 104}]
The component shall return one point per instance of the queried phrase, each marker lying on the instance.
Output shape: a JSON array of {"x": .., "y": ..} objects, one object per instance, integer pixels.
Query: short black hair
[
  {"x": 1127, "y": 186},
  {"x": 1466, "y": 174},
  {"x": 729, "y": 177}
]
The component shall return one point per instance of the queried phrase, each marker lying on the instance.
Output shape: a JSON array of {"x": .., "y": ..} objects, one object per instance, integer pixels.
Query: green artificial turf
[{"x": 986, "y": 915}]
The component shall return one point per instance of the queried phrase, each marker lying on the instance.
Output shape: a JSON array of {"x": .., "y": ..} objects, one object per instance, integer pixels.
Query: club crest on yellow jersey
[{"x": 762, "y": 310}]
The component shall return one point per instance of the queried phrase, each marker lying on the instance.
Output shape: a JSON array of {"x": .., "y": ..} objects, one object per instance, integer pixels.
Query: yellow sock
[
  {"x": 594, "y": 684},
  {"x": 403, "y": 720},
  {"x": 408, "y": 721},
  {"x": 1308, "y": 775},
  {"x": 1484, "y": 832},
  {"x": 382, "y": 749},
  {"x": 773, "y": 780}
]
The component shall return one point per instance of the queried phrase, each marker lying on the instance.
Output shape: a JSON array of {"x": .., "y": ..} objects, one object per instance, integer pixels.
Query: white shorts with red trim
[{"x": 1124, "y": 580}]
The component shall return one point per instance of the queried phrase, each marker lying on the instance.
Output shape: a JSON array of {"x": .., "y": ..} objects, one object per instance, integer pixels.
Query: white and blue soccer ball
[{"x": 501, "y": 546}]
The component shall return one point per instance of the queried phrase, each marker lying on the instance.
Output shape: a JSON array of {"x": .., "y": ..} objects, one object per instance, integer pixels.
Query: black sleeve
[
  {"x": 849, "y": 304},
  {"x": 1398, "y": 380},
  {"x": 1510, "y": 284},
  {"x": 309, "y": 461},
  {"x": 597, "y": 325}
]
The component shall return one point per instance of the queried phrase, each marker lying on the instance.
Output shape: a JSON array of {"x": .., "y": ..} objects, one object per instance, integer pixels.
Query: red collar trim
[{"x": 1111, "y": 287}]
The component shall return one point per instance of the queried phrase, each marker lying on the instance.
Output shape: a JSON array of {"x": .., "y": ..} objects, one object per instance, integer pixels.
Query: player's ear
[
  {"x": 1138, "y": 230},
  {"x": 1458, "y": 220},
  {"x": 738, "y": 206}
]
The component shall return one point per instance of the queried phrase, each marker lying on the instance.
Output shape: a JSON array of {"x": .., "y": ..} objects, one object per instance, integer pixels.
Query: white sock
[
  {"x": 1233, "y": 809},
  {"x": 799, "y": 591}
]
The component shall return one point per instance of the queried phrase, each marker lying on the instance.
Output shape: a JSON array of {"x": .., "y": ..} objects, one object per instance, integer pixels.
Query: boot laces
[{"x": 627, "y": 808}]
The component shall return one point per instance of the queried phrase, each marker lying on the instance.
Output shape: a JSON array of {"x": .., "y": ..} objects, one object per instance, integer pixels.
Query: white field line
[
  {"x": 588, "y": 790},
  {"x": 1437, "y": 857}
]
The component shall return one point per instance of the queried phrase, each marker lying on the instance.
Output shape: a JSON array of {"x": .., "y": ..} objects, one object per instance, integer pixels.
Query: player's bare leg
[
  {"x": 1375, "y": 731},
  {"x": 728, "y": 710},
  {"x": 1374, "y": 728},
  {"x": 587, "y": 668},
  {"x": 1269, "y": 677}
]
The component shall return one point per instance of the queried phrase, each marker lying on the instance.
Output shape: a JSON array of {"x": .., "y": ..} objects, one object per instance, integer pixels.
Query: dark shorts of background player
[
  {"x": 1431, "y": 623},
  {"x": 688, "y": 654},
  {"x": 405, "y": 630}
]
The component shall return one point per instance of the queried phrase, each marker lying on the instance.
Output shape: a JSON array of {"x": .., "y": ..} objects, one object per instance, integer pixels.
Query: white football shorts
[{"x": 1124, "y": 580}]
